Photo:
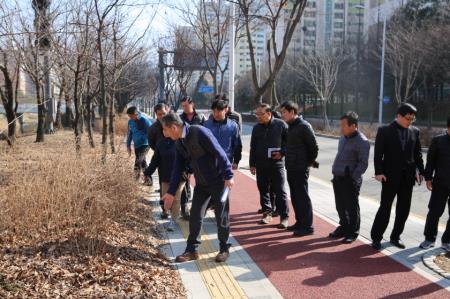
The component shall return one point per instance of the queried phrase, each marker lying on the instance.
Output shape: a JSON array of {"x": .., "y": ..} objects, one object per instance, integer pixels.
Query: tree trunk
[
  {"x": 112, "y": 129},
  {"x": 326, "y": 123},
  {"x": 89, "y": 121},
  {"x": 41, "y": 114}
]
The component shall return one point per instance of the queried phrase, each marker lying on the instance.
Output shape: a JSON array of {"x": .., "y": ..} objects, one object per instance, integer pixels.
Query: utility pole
[
  {"x": 161, "y": 66},
  {"x": 360, "y": 9},
  {"x": 231, "y": 58},
  {"x": 380, "y": 104}
]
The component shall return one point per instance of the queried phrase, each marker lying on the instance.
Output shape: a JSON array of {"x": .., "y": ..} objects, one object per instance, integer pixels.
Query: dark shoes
[
  {"x": 376, "y": 245},
  {"x": 398, "y": 243},
  {"x": 164, "y": 215},
  {"x": 337, "y": 233},
  {"x": 222, "y": 256},
  {"x": 185, "y": 214},
  {"x": 349, "y": 240},
  {"x": 186, "y": 257},
  {"x": 293, "y": 227},
  {"x": 275, "y": 214},
  {"x": 303, "y": 232},
  {"x": 260, "y": 211}
]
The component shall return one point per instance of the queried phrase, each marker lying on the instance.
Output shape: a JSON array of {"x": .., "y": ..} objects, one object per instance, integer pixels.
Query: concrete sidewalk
[{"x": 269, "y": 263}]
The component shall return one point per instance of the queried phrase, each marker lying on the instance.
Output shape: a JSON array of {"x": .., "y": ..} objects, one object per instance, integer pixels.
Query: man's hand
[
  {"x": 277, "y": 156},
  {"x": 234, "y": 166},
  {"x": 253, "y": 170},
  {"x": 129, "y": 151},
  {"x": 419, "y": 179},
  {"x": 380, "y": 178},
  {"x": 430, "y": 185},
  {"x": 229, "y": 183},
  {"x": 168, "y": 201}
]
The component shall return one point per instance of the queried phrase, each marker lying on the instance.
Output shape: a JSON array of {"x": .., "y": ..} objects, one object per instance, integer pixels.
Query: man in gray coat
[{"x": 349, "y": 165}]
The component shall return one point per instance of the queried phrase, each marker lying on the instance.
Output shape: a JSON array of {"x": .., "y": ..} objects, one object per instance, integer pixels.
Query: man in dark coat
[
  {"x": 398, "y": 163},
  {"x": 437, "y": 176}
]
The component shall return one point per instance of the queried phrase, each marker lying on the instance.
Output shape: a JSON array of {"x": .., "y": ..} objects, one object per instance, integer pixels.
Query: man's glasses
[{"x": 410, "y": 118}]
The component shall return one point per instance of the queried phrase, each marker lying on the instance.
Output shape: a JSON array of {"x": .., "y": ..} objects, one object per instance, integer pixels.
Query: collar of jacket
[
  {"x": 296, "y": 121},
  {"x": 353, "y": 135},
  {"x": 397, "y": 125},
  {"x": 219, "y": 122}
]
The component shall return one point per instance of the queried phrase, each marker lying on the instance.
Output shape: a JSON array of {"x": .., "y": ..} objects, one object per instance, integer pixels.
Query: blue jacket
[
  {"x": 228, "y": 136},
  {"x": 137, "y": 131},
  {"x": 208, "y": 160}
]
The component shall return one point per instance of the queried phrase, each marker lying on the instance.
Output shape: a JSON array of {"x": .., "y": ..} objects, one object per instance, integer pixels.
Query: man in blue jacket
[
  {"x": 138, "y": 126},
  {"x": 226, "y": 131},
  {"x": 213, "y": 177}
]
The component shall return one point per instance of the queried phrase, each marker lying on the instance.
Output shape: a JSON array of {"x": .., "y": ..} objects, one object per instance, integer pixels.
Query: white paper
[
  {"x": 225, "y": 193},
  {"x": 271, "y": 150}
]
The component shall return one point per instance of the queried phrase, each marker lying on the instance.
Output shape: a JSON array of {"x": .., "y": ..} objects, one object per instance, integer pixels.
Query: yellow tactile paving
[{"x": 217, "y": 277}]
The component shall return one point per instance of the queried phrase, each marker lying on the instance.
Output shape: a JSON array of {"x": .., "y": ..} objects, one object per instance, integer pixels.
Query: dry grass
[
  {"x": 121, "y": 125},
  {"x": 71, "y": 226}
]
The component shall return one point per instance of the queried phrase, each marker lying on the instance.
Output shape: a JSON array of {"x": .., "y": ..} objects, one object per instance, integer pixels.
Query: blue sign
[
  {"x": 206, "y": 89},
  {"x": 386, "y": 99}
]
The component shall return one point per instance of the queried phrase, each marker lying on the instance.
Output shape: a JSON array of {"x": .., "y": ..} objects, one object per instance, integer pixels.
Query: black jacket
[
  {"x": 163, "y": 159},
  {"x": 438, "y": 161},
  {"x": 198, "y": 119},
  {"x": 155, "y": 134},
  {"x": 301, "y": 148},
  {"x": 391, "y": 159},
  {"x": 272, "y": 135}
]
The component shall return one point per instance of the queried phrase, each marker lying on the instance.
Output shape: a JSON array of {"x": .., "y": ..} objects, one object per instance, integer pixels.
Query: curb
[{"x": 428, "y": 260}]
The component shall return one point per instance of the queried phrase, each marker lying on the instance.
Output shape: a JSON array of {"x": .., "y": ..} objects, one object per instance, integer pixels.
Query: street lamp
[
  {"x": 383, "y": 49},
  {"x": 359, "y": 7},
  {"x": 231, "y": 58}
]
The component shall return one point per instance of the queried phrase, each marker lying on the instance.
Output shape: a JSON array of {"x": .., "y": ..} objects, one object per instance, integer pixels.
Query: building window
[
  {"x": 311, "y": 4},
  {"x": 339, "y": 6},
  {"x": 310, "y": 33},
  {"x": 310, "y": 43},
  {"x": 339, "y": 15},
  {"x": 309, "y": 23},
  {"x": 338, "y": 25},
  {"x": 339, "y": 34},
  {"x": 310, "y": 14}
]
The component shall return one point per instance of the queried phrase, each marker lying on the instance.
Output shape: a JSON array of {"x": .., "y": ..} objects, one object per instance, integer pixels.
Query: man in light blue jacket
[
  {"x": 138, "y": 125},
  {"x": 226, "y": 131}
]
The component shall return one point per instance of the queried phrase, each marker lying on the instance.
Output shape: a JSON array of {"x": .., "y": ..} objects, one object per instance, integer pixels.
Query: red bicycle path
[{"x": 316, "y": 266}]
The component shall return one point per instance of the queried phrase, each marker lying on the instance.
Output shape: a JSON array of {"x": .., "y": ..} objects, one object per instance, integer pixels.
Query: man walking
[
  {"x": 349, "y": 165},
  {"x": 267, "y": 148},
  {"x": 213, "y": 176},
  {"x": 226, "y": 131},
  {"x": 155, "y": 135},
  {"x": 398, "y": 162},
  {"x": 138, "y": 125},
  {"x": 301, "y": 154},
  {"x": 437, "y": 176},
  {"x": 191, "y": 117}
]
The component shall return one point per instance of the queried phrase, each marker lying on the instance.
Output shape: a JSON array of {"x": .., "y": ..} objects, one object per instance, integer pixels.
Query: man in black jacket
[
  {"x": 437, "y": 176},
  {"x": 155, "y": 134},
  {"x": 190, "y": 117},
  {"x": 301, "y": 154},
  {"x": 398, "y": 162},
  {"x": 267, "y": 147}
]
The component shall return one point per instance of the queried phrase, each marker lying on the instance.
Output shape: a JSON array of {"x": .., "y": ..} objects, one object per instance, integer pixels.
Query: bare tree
[
  {"x": 405, "y": 57},
  {"x": 320, "y": 70},
  {"x": 280, "y": 17}
]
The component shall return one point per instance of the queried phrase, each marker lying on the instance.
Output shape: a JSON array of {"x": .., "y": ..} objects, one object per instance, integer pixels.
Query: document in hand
[
  {"x": 225, "y": 193},
  {"x": 272, "y": 150}
]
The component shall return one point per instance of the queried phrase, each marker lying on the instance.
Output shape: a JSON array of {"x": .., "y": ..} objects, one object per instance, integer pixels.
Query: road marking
[{"x": 217, "y": 276}]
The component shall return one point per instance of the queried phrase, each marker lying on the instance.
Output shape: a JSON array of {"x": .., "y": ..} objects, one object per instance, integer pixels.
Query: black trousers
[
  {"x": 202, "y": 196},
  {"x": 272, "y": 179},
  {"x": 301, "y": 202},
  {"x": 440, "y": 197},
  {"x": 346, "y": 196},
  {"x": 402, "y": 188},
  {"x": 140, "y": 162}
]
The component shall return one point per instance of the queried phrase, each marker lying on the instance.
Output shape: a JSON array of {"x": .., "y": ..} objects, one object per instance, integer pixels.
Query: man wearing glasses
[{"x": 398, "y": 163}]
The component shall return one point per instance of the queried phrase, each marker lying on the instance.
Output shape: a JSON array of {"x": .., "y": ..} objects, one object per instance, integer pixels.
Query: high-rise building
[{"x": 330, "y": 24}]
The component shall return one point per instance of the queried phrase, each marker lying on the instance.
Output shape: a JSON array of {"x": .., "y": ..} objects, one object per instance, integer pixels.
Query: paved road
[{"x": 370, "y": 188}]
